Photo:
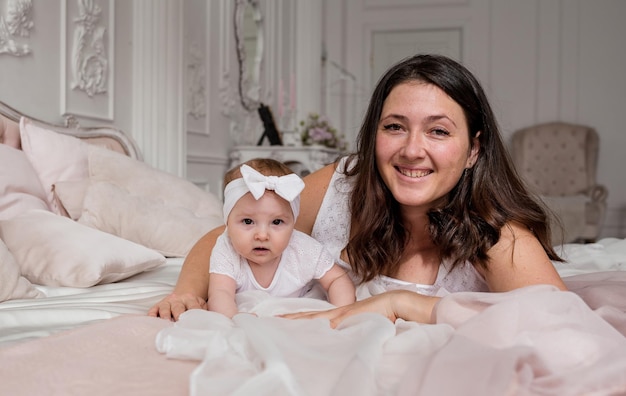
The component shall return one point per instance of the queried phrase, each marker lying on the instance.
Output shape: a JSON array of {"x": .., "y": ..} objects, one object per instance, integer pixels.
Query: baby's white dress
[
  {"x": 304, "y": 260},
  {"x": 332, "y": 229}
]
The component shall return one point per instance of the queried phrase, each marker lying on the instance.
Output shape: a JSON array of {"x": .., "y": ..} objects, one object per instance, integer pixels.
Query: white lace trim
[
  {"x": 332, "y": 225},
  {"x": 462, "y": 278}
]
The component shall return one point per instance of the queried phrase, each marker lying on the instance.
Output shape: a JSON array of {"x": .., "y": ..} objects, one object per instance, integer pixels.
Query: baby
[{"x": 260, "y": 249}]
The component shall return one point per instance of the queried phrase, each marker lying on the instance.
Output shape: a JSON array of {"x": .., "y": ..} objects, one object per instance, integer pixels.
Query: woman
[{"x": 430, "y": 202}]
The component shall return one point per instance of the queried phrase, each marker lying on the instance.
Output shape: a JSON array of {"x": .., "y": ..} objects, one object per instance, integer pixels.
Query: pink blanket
[
  {"x": 532, "y": 341},
  {"x": 113, "y": 357}
]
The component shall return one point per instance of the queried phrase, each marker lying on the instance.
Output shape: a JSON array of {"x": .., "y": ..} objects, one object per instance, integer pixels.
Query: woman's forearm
[
  {"x": 194, "y": 275},
  {"x": 395, "y": 304},
  {"x": 412, "y": 306}
]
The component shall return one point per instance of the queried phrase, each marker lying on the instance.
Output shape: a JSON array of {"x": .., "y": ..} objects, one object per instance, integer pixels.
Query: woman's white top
[
  {"x": 332, "y": 229},
  {"x": 304, "y": 260}
]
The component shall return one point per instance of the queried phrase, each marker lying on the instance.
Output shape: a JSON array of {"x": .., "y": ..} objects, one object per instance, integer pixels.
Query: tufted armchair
[{"x": 558, "y": 161}]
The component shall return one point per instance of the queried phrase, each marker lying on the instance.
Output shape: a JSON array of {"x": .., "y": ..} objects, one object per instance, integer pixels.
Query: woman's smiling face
[{"x": 422, "y": 144}]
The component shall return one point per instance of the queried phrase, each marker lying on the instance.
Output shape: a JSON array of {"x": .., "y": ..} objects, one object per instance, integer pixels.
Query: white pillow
[
  {"x": 20, "y": 188},
  {"x": 55, "y": 157},
  {"x": 12, "y": 284},
  {"x": 53, "y": 250},
  {"x": 152, "y": 222}
]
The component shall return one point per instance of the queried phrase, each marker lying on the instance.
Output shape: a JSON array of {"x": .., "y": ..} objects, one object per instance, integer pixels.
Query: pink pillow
[
  {"x": 53, "y": 250},
  {"x": 141, "y": 180},
  {"x": 150, "y": 221},
  {"x": 9, "y": 132},
  {"x": 69, "y": 196},
  {"x": 20, "y": 188},
  {"x": 55, "y": 157},
  {"x": 13, "y": 285}
]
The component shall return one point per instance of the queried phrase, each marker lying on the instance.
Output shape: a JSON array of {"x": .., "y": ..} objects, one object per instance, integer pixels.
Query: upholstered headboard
[{"x": 105, "y": 136}]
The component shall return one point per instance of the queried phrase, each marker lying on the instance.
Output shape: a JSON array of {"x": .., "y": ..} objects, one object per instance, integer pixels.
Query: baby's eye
[
  {"x": 277, "y": 222},
  {"x": 247, "y": 221}
]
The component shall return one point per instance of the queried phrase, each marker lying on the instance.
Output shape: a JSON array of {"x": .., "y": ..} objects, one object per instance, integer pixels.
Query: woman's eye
[
  {"x": 392, "y": 127},
  {"x": 277, "y": 222},
  {"x": 247, "y": 221},
  {"x": 440, "y": 132}
]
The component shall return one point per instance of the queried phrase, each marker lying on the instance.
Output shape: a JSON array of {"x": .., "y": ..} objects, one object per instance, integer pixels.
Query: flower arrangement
[{"x": 316, "y": 130}]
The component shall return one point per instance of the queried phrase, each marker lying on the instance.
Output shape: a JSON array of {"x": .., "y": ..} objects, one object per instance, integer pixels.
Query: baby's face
[{"x": 260, "y": 230}]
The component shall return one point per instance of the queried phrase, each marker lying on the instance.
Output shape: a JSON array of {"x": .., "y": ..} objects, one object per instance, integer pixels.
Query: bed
[{"x": 102, "y": 236}]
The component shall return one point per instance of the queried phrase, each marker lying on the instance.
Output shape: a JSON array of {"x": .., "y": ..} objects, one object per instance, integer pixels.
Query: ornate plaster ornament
[
  {"x": 16, "y": 23},
  {"x": 89, "y": 55},
  {"x": 196, "y": 85}
]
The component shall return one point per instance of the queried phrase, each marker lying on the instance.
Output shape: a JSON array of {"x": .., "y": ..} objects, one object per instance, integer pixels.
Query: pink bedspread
[
  {"x": 113, "y": 357},
  {"x": 532, "y": 341}
]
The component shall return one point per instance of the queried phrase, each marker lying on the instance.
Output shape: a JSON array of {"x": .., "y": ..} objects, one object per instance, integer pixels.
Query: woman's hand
[
  {"x": 172, "y": 306},
  {"x": 393, "y": 305}
]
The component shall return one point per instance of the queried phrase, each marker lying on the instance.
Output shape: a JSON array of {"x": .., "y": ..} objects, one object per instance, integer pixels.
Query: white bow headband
[{"x": 287, "y": 187}]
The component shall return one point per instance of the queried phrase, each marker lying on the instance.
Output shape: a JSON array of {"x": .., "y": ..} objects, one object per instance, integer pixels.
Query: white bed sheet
[{"x": 65, "y": 308}]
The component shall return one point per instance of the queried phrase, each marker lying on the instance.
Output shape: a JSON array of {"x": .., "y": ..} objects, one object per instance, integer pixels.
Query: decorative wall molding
[
  {"x": 87, "y": 72},
  {"x": 196, "y": 39},
  {"x": 208, "y": 159},
  {"x": 196, "y": 82},
  {"x": 250, "y": 64},
  {"x": 15, "y": 23},
  {"x": 271, "y": 57},
  {"x": 89, "y": 50},
  {"x": 228, "y": 93}
]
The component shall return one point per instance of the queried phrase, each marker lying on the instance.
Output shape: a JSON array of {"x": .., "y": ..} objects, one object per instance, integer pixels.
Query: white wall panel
[
  {"x": 548, "y": 41},
  {"x": 538, "y": 61},
  {"x": 513, "y": 58},
  {"x": 601, "y": 67},
  {"x": 158, "y": 123}
]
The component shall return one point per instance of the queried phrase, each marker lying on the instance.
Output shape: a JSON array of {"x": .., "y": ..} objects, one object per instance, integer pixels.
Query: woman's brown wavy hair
[{"x": 487, "y": 196}]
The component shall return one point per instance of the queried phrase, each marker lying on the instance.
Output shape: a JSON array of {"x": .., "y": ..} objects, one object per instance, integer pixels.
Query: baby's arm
[
  {"x": 339, "y": 286},
  {"x": 222, "y": 290}
]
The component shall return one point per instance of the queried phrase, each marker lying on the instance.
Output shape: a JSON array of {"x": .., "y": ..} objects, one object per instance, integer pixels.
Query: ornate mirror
[{"x": 249, "y": 40}]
